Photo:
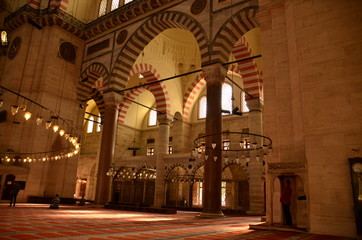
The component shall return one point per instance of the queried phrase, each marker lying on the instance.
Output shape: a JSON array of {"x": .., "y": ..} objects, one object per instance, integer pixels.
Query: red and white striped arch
[
  {"x": 253, "y": 83},
  {"x": 247, "y": 70},
  {"x": 158, "y": 90},
  {"x": 191, "y": 95}
]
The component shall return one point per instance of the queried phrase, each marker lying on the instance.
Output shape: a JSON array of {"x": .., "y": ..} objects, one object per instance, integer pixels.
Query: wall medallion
[
  {"x": 198, "y": 6},
  {"x": 68, "y": 51},
  {"x": 122, "y": 36}
]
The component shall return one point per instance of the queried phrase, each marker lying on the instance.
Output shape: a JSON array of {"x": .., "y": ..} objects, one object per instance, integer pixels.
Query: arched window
[
  {"x": 99, "y": 123},
  {"x": 102, "y": 8},
  {"x": 152, "y": 120},
  {"x": 115, "y": 4},
  {"x": 90, "y": 124},
  {"x": 202, "y": 107},
  {"x": 243, "y": 103},
  {"x": 226, "y": 96}
]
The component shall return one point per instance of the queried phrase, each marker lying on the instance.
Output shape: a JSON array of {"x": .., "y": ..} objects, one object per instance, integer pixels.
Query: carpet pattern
[{"x": 37, "y": 221}]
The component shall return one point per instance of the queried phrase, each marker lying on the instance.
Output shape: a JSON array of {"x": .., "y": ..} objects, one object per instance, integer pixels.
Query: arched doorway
[
  {"x": 298, "y": 205},
  {"x": 178, "y": 182},
  {"x": 7, "y": 183},
  {"x": 235, "y": 188},
  {"x": 135, "y": 186}
]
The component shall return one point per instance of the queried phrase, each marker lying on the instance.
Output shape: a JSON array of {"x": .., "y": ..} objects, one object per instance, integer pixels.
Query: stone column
[
  {"x": 256, "y": 168},
  {"x": 162, "y": 148},
  {"x": 211, "y": 200},
  {"x": 109, "y": 133}
]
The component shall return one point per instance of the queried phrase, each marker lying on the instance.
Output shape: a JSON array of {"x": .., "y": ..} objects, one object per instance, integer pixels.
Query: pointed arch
[
  {"x": 191, "y": 94},
  {"x": 159, "y": 90},
  {"x": 91, "y": 84},
  {"x": 147, "y": 32},
  {"x": 239, "y": 24},
  {"x": 248, "y": 69}
]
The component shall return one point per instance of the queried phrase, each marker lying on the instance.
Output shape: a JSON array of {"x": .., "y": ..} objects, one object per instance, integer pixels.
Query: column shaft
[
  {"x": 109, "y": 133},
  {"x": 162, "y": 149},
  {"x": 214, "y": 75}
]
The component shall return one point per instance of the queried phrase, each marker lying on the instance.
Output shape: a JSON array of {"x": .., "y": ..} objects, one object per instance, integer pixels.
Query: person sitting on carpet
[{"x": 54, "y": 204}]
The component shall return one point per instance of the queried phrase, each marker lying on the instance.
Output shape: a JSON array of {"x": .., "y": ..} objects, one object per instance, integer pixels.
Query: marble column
[
  {"x": 162, "y": 149},
  {"x": 256, "y": 167},
  {"x": 214, "y": 75},
  {"x": 106, "y": 154}
]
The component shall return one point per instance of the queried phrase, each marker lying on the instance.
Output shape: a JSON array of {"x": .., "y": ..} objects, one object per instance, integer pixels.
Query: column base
[
  {"x": 211, "y": 215},
  {"x": 255, "y": 212}
]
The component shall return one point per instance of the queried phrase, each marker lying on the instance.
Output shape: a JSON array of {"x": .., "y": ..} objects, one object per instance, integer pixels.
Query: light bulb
[
  {"x": 27, "y": 115},
  {"x": 14, "y": 109},
  {"x": 39, "y": 119},
  {"x": 213, "y": 145},
  {"x": 48, "y": 124},
  {"x": 66, "y": 135},
  {"x": 55, "y": 128},
  {"x": 61, "y": 132},
  {"x": 23, "y": 107}
]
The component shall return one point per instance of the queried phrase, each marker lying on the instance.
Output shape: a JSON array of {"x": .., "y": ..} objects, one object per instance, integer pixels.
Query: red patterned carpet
[{"x": 37, "y": 221}]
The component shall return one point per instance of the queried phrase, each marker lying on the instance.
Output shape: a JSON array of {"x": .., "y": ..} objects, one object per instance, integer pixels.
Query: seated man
[{"x": 54, "y": 204}]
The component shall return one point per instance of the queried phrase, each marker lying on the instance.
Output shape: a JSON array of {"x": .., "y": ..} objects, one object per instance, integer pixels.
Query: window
[
  {"x": 90, "y": 124},
  {"x": 243, "y": 103},
  {"x": 226, "y": 101},
  {"x": 150, "y": 151},
  {"x": 223, "y": 194},
  {"x": 227, "y": 96},
  {"x": 115, "y": 4},
  {"x": 202, "y": 107},
  {"x": 127, "y": 1},
  {"x": 99, "y": 123},
  {"x": 102, "y": 8},
  {"x": 169, "y": 150},
  {"x": 199, "y": 193},
  {"x": 152, "y": 120}
]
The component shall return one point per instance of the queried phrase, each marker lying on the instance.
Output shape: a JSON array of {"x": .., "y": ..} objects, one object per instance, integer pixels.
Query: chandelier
[
  {"x": 55, "y": 124},
  {"x": 238, "y": 144},
  {"x": 120, "y": 173}
]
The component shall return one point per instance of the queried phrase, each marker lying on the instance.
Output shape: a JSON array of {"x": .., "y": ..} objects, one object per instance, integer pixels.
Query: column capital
[
  {"x": 214, "y": 73},
  {"x": 255, "y": 104},
  {"x": 164, "y": 119},
  {"x": 112, "y": 99}
]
